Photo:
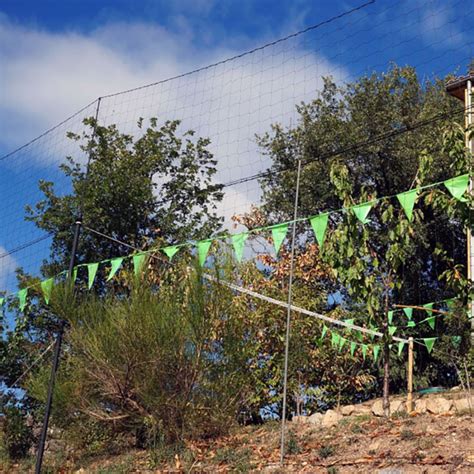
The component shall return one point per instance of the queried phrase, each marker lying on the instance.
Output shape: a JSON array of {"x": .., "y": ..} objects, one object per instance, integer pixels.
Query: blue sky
[{"x": 58, "y": 56}]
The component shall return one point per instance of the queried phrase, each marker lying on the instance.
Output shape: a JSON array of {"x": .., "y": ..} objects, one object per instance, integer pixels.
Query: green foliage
[
  {"x": 16, "y": 436},
  {"x": 326, "y": 451}
]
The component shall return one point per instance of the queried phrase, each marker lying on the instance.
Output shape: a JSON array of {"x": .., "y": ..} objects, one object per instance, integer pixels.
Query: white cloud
[{"x": 46, "y": 76}]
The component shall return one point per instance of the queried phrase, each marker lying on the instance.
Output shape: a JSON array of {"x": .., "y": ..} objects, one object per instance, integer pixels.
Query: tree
[{"x": 156, "y": 187}]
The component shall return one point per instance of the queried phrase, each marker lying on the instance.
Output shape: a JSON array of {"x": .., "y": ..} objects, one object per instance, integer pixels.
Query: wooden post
[{"x": 410, "y": 376}]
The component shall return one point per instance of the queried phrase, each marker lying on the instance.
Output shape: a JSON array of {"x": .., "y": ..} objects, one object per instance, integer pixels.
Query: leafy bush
[{"x": 17, "y": 436}]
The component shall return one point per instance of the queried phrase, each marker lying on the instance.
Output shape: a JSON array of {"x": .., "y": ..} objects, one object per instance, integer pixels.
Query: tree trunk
[{"x": 386, "y": 379}]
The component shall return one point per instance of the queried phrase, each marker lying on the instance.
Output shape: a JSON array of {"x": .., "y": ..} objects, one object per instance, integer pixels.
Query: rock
[
  {"x": 331, "y": 418},
  {"x": 315, "y": 419},
  {"x": 420, "y": 406},
  {"x": 462, "y": 404},
  {"x": 397, "y": 406},
  {"x": 347, "y": 410},
  {"x": 362, "y": 410},
  {"x": 374, "y": 446},
  {"x": 377, "y": 408},
  {"x": 300, "y": 419},
  {"x": 438, "y": 405}
]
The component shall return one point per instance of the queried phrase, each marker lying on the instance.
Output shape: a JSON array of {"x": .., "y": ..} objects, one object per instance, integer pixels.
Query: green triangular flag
[
  {"x": 334, "y": 339},
  {"x": 278, "y": 234},
  {"x": 450, "y": 303},
  {"x": 115, "y": 264},
  {"x": 411, "y": 324},
  {"x": 376, "y": 352},
  {"x": 349, "y": 321},
  {"x": 138, "y": 261},
  {"x": 74, "y": 274},
  {"x": 408, "y": 312},
  {"x": 47, "y": 288},
  {"x": 429, "y": 343},
  {"x": 401, "y": 345},
  {"x": 203, "y": 247},
  {"x": 91, "y": 273},
  {"x": 324, "y": 331},
  {"x": 342, "y": 341},
  {"x": 456, "y": 340},
  {"x": 457, "y": 186},
  {"x": 364, "y": 351},
  {"x": 391, "y": 330},
  {"x": 319, "y": 224},
  {"x": 170, "y": 250},
  {"x": 362, "y": 211},
  {"x": 429, "y": 307},
  {"x": 407, "y": 201},
  {"x": 2, "y": 300},
  {"x": 390, "y": 317},
  {"x": 238, "y": 242},
  {"x": 22, "y": 294},
  {"x": 353, "y": 348},
  {"x": 431, "y": 321}
]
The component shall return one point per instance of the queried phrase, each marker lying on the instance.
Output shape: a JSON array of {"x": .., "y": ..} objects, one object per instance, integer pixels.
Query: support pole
[
  {"x": 59, "y": 337},
  {"x": 288, "y": 315},
  {"x": 410, "y": 376}
]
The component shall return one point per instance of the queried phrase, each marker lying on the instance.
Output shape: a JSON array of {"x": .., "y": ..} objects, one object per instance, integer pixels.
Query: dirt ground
[{"x": 363, "y": 444}]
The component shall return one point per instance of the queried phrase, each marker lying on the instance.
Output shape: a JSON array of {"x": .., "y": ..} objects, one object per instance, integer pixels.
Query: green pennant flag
[
  {"x": 324, "y": 331},
  {"x": 376, "y": 352},
  {"x": 278, "y": 234},
  {"x": 91, "y": 273},
  {"x": 238, "y": 242},
  {"x": 429, "y": 343},
  {"x": 334, "y": 339},
  {"x": 22, "y": 294},
  {"x": 47, "y": 288},
  {"x": 353, "y": 348},
  {"x": 349, "y": 321},
  {"x": 364, "y": 351},
  {"x": 2, "y": 300},
  {"x": 429, "y": 307},
  {"x": 170, "y": 251},
  {"x": 411, "y": 324},
  {"x": 457, "y": 186},
  {"x": 401, "y": 345},
  {"x": 408, "y": 312},
  {"x": 115, "y": 265},
  {"x": 450, "y": 303},
  {"x": 74, "y": 274},
  {"x": 390, "y": 317},
  {"x": 456, "y": 340},
  {"x": 342, "y": 341},
  {"x": 319, "y": 224},
  {"x": 138, "y": 261},
  {"x": 203, "y": 247},
  {"x": 407, "y": 201},
  {"x": 431, "y": 321},
  {"x": 372, "y": 336},
  {"x": 392, "y": 330},
  {"x": 362, "y": 211}
]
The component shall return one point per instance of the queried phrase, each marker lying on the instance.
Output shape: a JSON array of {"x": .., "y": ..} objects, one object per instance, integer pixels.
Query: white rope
[{"x": 298, "y": 309}]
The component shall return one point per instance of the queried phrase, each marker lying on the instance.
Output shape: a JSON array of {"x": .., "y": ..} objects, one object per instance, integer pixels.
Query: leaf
[{"x": 407, "y": 201}]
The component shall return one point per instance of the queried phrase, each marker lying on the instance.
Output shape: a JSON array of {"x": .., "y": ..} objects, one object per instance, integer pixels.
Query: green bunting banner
[
  {"x": 411, "y": 324},
  {"x": 91, "y": 273},
  {"x": 138, "y": 261},
  {"x": 428, "y": 307},
  {"x": 319, "y": 224},
  {"x": 401, "y": 345},
  {"x": 364, "y": 350},
  {"x": 392, "y": 330},
  {"x": 390, "y": 317},
  {"x": 170, "y": 251},
  {"x": 376, "y": 352},
  {"x": 362, "y": 211},
  {"x": 115, "y": 264},
  {"x": 203, "y": 249},
  {"x": 47, "y": 288},
  {"x": 334, "y": 338},
  {"x": 2, "y": 300},
  {"x": 238, "y": 242},
  {"x": 457, "y": 186},
  {"x": 324, "y": 331},
  {"x": 429, "y": 343},
  {"x": 408, "y": 312},
  {"x": 407, "y": 201},
  {"x": 342, "y": 341},
  {"x": 278, "y": 234},
  {"x": 431, "y": 321},
  {"x": 353, "y": 348},
  {"x": 22, "y": 294}
]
